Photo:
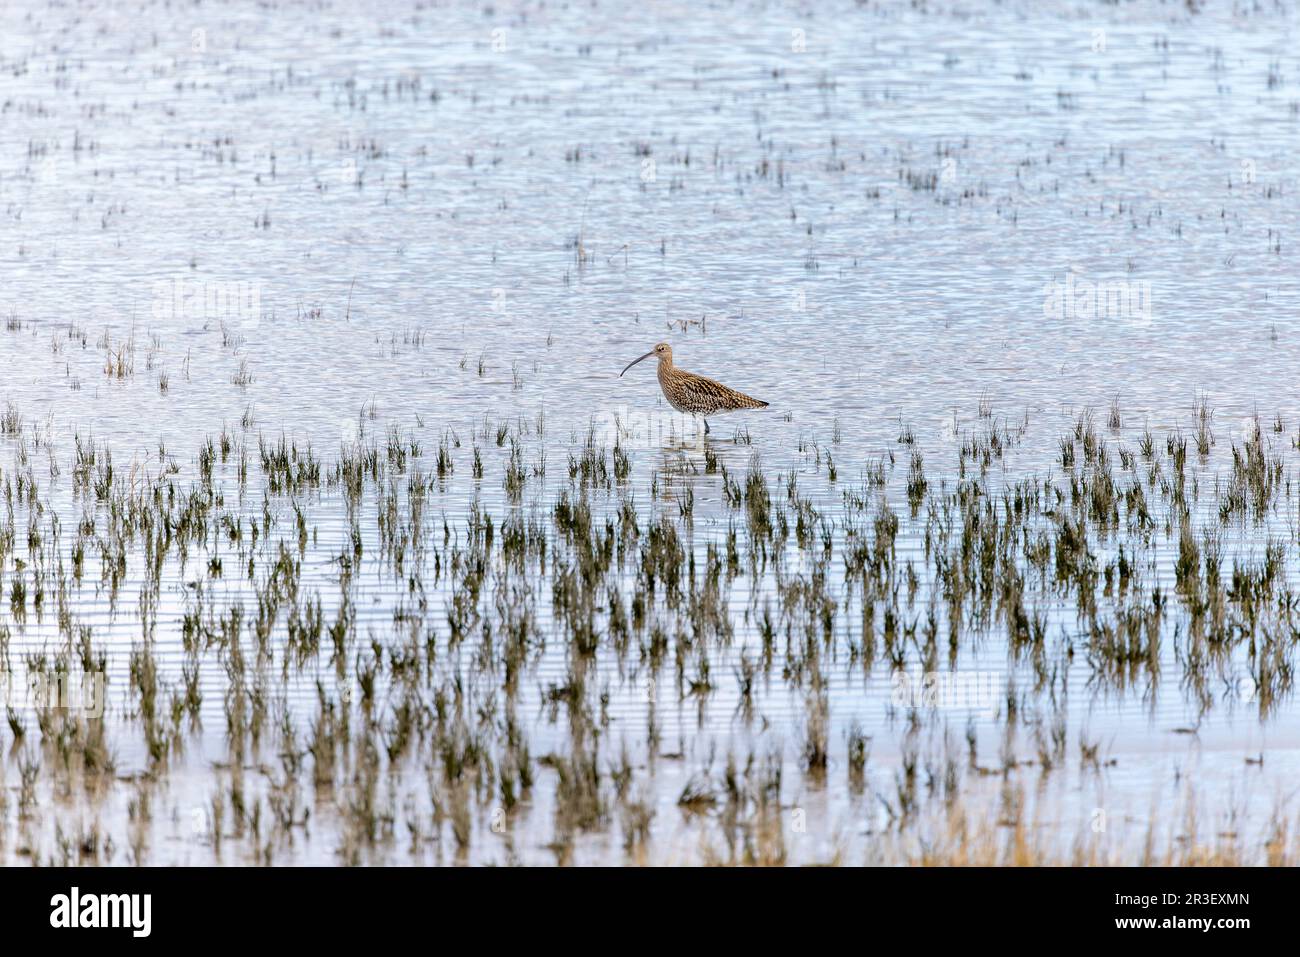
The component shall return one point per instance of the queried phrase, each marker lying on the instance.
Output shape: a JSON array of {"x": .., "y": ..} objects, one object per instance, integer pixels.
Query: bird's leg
[{"x": 706, "y": 425}]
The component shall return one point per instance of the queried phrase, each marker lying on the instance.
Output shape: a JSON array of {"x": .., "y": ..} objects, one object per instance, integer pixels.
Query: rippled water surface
[{"x": 440, "y": 230}]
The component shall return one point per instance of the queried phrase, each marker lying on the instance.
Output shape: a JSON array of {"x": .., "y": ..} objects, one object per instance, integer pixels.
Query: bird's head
[{"x": 663, "y": 352}]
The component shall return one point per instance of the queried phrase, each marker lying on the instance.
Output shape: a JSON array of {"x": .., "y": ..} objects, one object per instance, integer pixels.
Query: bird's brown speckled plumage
[{"x": 695, "y": 394}]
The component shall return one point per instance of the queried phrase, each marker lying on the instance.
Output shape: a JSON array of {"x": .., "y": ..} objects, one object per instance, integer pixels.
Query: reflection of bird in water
[{"x": 694, "y": 394}]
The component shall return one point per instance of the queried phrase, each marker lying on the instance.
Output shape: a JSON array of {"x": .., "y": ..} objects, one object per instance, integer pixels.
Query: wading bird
[{"x": 694, "y": 394}]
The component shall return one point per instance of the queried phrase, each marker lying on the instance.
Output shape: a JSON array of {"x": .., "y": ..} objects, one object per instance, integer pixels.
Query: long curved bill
[{"x": 635, "y": 361}]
